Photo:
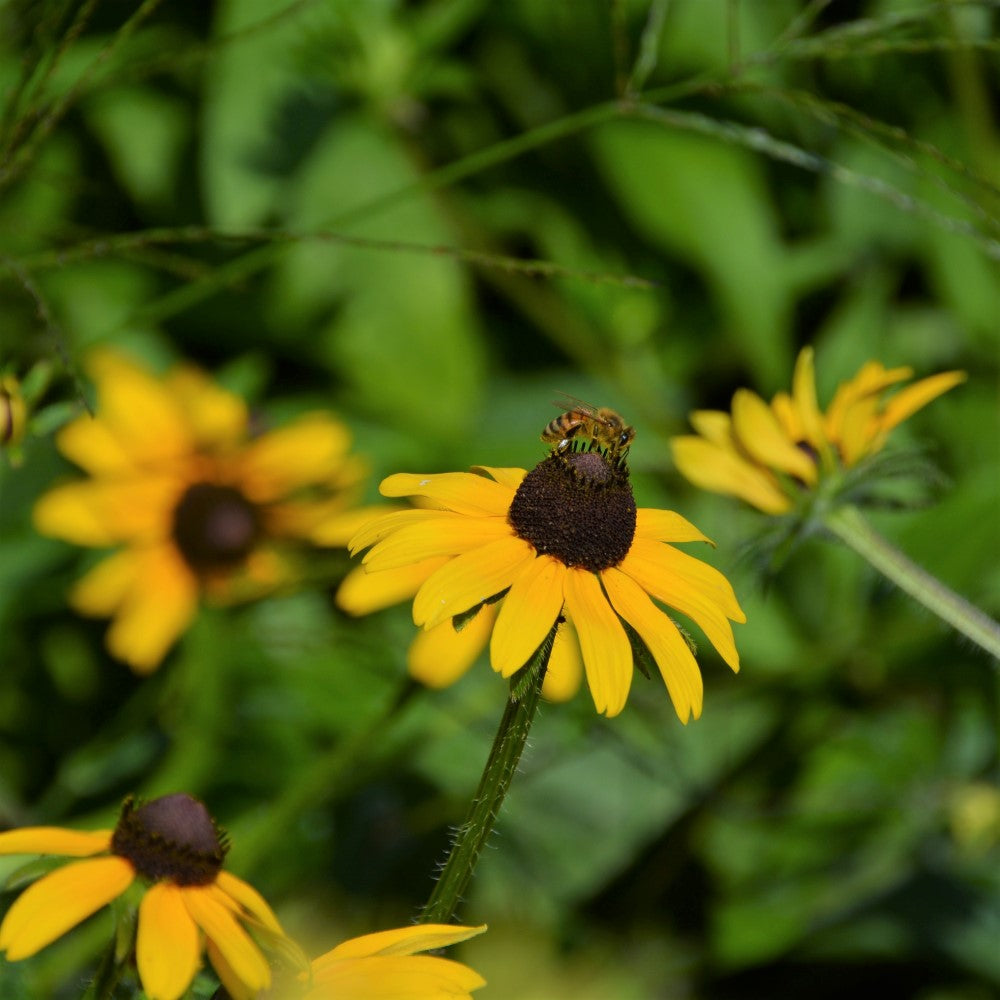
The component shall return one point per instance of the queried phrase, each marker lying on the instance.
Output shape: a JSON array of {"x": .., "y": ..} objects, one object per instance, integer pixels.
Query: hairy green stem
[
  {"x": 474, "y": 833},
  {"x": 847, "y": 524}
]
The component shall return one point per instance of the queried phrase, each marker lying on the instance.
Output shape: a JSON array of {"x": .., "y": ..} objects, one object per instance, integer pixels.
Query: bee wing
[{"x": 569, "y": 402}]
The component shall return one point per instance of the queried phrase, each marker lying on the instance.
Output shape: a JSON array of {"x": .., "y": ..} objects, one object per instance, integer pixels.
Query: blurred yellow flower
[
  {"x": 387, "y": 966},
  {"x": 768, "y": 454},
  {"x": 173, "y": 850},
  {"x": 521, "y": 552},
  {"x": 200, "y": 505}
]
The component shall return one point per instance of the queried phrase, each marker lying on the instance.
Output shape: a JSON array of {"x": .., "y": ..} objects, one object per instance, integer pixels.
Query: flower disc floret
[
  {"x": 578, "y": 507},
  {"x": 173, "y": 837}
]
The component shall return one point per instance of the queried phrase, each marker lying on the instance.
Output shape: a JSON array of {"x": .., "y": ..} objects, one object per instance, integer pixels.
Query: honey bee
[{"x": 601, "y": 424}]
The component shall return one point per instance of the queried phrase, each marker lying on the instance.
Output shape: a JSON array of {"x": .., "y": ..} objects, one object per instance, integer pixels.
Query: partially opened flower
[
  {"x": 774, "y": 456},
  {"x": 388, "y": 966},
  {"x": 506, "y": 555},
  {"x": 168, "y": 853},
  {"x": 197, "y": 506}
]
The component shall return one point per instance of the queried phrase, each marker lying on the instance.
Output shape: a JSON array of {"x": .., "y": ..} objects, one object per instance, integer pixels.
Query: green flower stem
[
  {"x": 473, "y": 834},
  {"x": 106, "y": 976},
  {"x": 847, "y": 524}
]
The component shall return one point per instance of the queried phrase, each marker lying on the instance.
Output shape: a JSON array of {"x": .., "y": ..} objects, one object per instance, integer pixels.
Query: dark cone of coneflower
[
  {"x": 215, "y": 527},
  {"x": 577, "y": 506},
  {"x": 173, "y": 837}
]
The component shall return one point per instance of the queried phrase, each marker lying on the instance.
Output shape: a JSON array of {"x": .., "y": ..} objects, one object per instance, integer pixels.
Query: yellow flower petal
[
  {"x": 416, "y": 977},
  {"x": 447, "y": 536},
  {"x": 806, "y": 405},
  {"x": 870, "y": 380},
  {"x": 236, "y": 946},
  {"x": 234, "y": 986},
  {"x": 565, "y": 670},
  {"x": 138, "y": 408},
  {"x": 91, "y": 444},
  {"x": 362, "y": 592},
  {"x": 511, "y": 478},
  {"x": 462, "y": 492},
  {"x": 721, "y": 470},
  {"x": 764, "y": 439},
  {"x": 607, "y": 655},
  {"x": 666, "y": 526},
  {"x": 386, "y": 523},
  {"x": 439, "y": 656},
  {"x": 692, "y": 587},
  {"x": 54, "y": 840},
  {"x": 401, "y": 941},
  {"x": 303, "y": 453},
  {"x": 714, "y": 425},
  {"x": 528, "y": 612},
  {"x": 907, "y": 401},
  {"x": 469, "y": 579},
  {"x": 167, "y": 946},
  {"x": 151, "y": 618},
  {"x": 101, "y": 591},
  {"x": 677, "y": 665},
  {"x": 339, "y": 527},
  {"x": 103, "y": 512},
  {"x": 216, "y": 417},
  {"x": 59, "y": 901},
  {"x": 786, "y": 414},
  {"x": 246, "y": 896}
]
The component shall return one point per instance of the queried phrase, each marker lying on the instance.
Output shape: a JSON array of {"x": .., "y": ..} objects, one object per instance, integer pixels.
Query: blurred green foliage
[{"x": 430, "y": 217}]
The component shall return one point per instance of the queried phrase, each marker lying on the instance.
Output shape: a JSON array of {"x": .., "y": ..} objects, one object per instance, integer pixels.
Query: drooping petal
[
  {"x": 439, "y": 656},
  {"x": 527, "y": 614},
  {"x": 415, "y": 977},
  {"x": 400, "y": 941},
  {"x": 246, "y": 896},
  {"x": 281, "y": 461},
  {"x": 448, "y": 536},
  {"x": 607, "y": 655},
  {"x": 362, "y": 592},
  {"x": 61, "y": 900},
  {"x": 234, "y": 944},
  {"x": 167, "y": 946},
  {"x": 145, "y": 417},
  {"x": 101, "y": 591},
  {"x": 907, "y": 401},
  {"x": 470, "y": 579},
  {"x": 54, "y": 840},
  {"x": 676, "y": 663},
  {"x": 666, "y": 526},
  {"x": 692, "y": 587},
  {"x": 99, "y": 512},
  {"x": 763, "y": 438},
  {"x": 565, "y": 670},
  {"x": 233, "y": 985},
  {"x": 722, "y": 470},
  {"x": 462, "y": 492},
  {"x": 151, "y": 618},
  {"x": 872, "y": 378},
  {"x": 216, "y": 417}
]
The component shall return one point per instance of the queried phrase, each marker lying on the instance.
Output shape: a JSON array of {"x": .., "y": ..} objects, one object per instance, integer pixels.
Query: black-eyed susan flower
[
  {"x": 773, "y": 456},
  {"x": 520, "y": 552},
  {"x": 388, "y": 966},
  {"x": 167, "y": 854},
  {"x": 195, "y": 504}
]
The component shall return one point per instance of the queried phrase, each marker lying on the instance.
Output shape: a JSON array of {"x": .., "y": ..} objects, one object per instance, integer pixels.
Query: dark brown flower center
[
  {"x": 577, "y": 506},
  {"x": 215, "y": 527},
  {"x": 173, "y": 837}
]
